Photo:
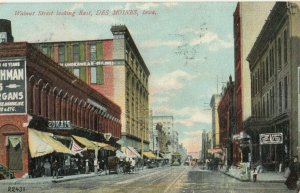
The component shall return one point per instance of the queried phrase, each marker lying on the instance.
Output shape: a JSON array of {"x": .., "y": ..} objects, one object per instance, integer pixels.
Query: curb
[
  {"x": 258, "y": 181},
  {"x": 71, "y": 179},
  {"x": 235, "y": 177}
]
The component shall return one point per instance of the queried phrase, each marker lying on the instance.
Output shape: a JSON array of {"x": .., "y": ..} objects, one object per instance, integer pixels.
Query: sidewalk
[
  {"x": 46, "y": 180},
  {"x": 274, "y": 177}
]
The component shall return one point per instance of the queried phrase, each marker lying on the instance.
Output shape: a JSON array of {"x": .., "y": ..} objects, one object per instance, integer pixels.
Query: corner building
[
  {"x": 35, "y": 91},
  {"x": 116, "y": 69}
]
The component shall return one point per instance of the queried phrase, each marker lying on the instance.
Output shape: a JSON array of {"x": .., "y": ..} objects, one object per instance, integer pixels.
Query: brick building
[
  {"x": 226, "y": 111},
  {"x": 36, "y": 93},
  {"x": 116, "y": 69}
]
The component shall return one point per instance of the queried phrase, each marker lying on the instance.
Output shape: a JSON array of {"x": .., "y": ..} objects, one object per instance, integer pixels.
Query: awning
[
  {"x": 84, "y": 141},
  {"x": 149, "y": 155},
  {"x": 130, "y": 152},
  {"x": 42, "y": 143},
  {"x": 105, "y": 146},
  {"x": 216, "y": 150}
]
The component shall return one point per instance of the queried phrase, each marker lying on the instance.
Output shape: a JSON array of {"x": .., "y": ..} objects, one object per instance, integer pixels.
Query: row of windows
[
  {"x": 55, "y": 104},
  {"x": 131, "y": 59},
  {"x": 75, "y": 55},
  {"x": 262, "y": 75},
  {"x": 266, "y": 107}
]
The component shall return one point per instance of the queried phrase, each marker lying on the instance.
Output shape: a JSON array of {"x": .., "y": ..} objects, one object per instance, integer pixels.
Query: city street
[{"x": 181, "y": 179}]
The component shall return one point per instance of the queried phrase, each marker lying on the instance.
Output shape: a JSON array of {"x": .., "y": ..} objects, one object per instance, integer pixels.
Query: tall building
[
  {"x": 249, "y": 18},
  {"x": 275, "y": 73},
  {"x": 214, "y": 102},
  {"x": 116, "y": 69}
]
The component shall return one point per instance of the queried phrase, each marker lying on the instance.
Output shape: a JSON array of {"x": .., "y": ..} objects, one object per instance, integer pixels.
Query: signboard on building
[
  {"x": 65, "y": 124},
  {"x": 91, "y": 63},
  {"x": 13, "y": 95},
  {"x": 271, "y": 138}
]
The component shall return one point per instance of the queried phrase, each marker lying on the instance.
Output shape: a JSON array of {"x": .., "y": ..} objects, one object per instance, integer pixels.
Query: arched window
[
  {"x": 30, "y": 87},
  {"x": 75, "y": 111},
  {"x": 44, "y": 100},
  {"x": 58, "y": 108},
  {"x": 64, "y": 106}
]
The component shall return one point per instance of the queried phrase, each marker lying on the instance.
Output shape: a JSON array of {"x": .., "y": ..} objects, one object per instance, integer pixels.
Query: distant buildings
[
  {"x": 116, "y": 69},
  {"x": 206, "y": 143},
  {"x": 214, "y": 102},
  {"x": 166, "y": 138}
]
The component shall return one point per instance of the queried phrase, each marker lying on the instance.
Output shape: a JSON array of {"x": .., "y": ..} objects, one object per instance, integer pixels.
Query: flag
[{"x": 75, "y": 147}]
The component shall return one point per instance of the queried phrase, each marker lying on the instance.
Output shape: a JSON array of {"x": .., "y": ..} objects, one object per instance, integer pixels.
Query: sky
[{"x": 187, "y": 47}]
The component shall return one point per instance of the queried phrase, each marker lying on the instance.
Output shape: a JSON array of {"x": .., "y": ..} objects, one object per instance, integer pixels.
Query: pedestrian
[
  {"x": 87, "y": 167},
  {"x": 291, "y": 181},
  {"x": 55, "y": 168},
  {"x": 47, "y": 168},
  {"x": 254, "y": 175}
]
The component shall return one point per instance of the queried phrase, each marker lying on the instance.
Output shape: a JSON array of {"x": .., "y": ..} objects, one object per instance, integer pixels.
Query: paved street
[{"x": 181, "y": 179}]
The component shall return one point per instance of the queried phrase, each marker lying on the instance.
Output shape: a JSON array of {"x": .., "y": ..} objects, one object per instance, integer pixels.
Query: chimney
[{"x": 5, "y": 31}]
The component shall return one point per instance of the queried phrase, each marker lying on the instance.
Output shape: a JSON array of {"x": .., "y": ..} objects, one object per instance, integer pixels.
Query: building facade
[
  {"x": 36, "y": 93},
  {"x": 214, "y": 102},
  {"x": 227, "y": 120},
  {"x": 249, "y": 18},
  {"x": 274, "y": 65},
  {"x": 116, "y": 69}
]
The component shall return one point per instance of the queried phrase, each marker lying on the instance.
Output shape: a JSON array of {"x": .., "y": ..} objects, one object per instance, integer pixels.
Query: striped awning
[{"x": 43, "y": 143}]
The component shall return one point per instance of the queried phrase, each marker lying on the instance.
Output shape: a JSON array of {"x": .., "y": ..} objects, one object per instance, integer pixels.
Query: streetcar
[{"x": 176, "y": 159}]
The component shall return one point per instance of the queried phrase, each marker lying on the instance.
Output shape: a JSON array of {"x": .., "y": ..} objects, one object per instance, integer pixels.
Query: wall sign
[
  {"x": 92, "y": 63},
  {"x": 59, "y": 124},
  {"x": 13, "y": 95},
  {"x": 271, "y": 138}
]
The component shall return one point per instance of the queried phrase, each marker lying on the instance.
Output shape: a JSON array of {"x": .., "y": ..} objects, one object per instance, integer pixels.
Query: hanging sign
[
  {"x": 271, "y": 138},
  {"x": 13, "y": 86}
]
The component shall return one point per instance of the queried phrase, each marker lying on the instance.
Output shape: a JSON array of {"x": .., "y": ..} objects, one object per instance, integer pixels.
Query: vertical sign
[{"x": 13, "y": 86}]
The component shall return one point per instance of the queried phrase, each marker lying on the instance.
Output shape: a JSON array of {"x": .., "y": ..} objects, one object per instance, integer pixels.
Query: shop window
[{"x": 14, "y": 147}]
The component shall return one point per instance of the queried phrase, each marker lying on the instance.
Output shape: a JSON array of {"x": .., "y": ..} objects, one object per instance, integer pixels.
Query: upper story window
[
  {"x": 76, "y": 72},
  {"x": 93, "y": 75},
  {"x": 126, "y": 54},
  {"x": 61, "y": 53},
  {"x": 285, "y": 46},
  {"x": 45, "y": 50},
  {"x": 76, "y": 53},
  {"x": 93, "y": 52},
  {"x": 279, "y": 53}
]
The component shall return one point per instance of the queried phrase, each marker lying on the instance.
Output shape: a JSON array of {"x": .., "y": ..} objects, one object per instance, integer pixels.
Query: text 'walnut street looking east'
[{"x": 82, "y": 12}]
